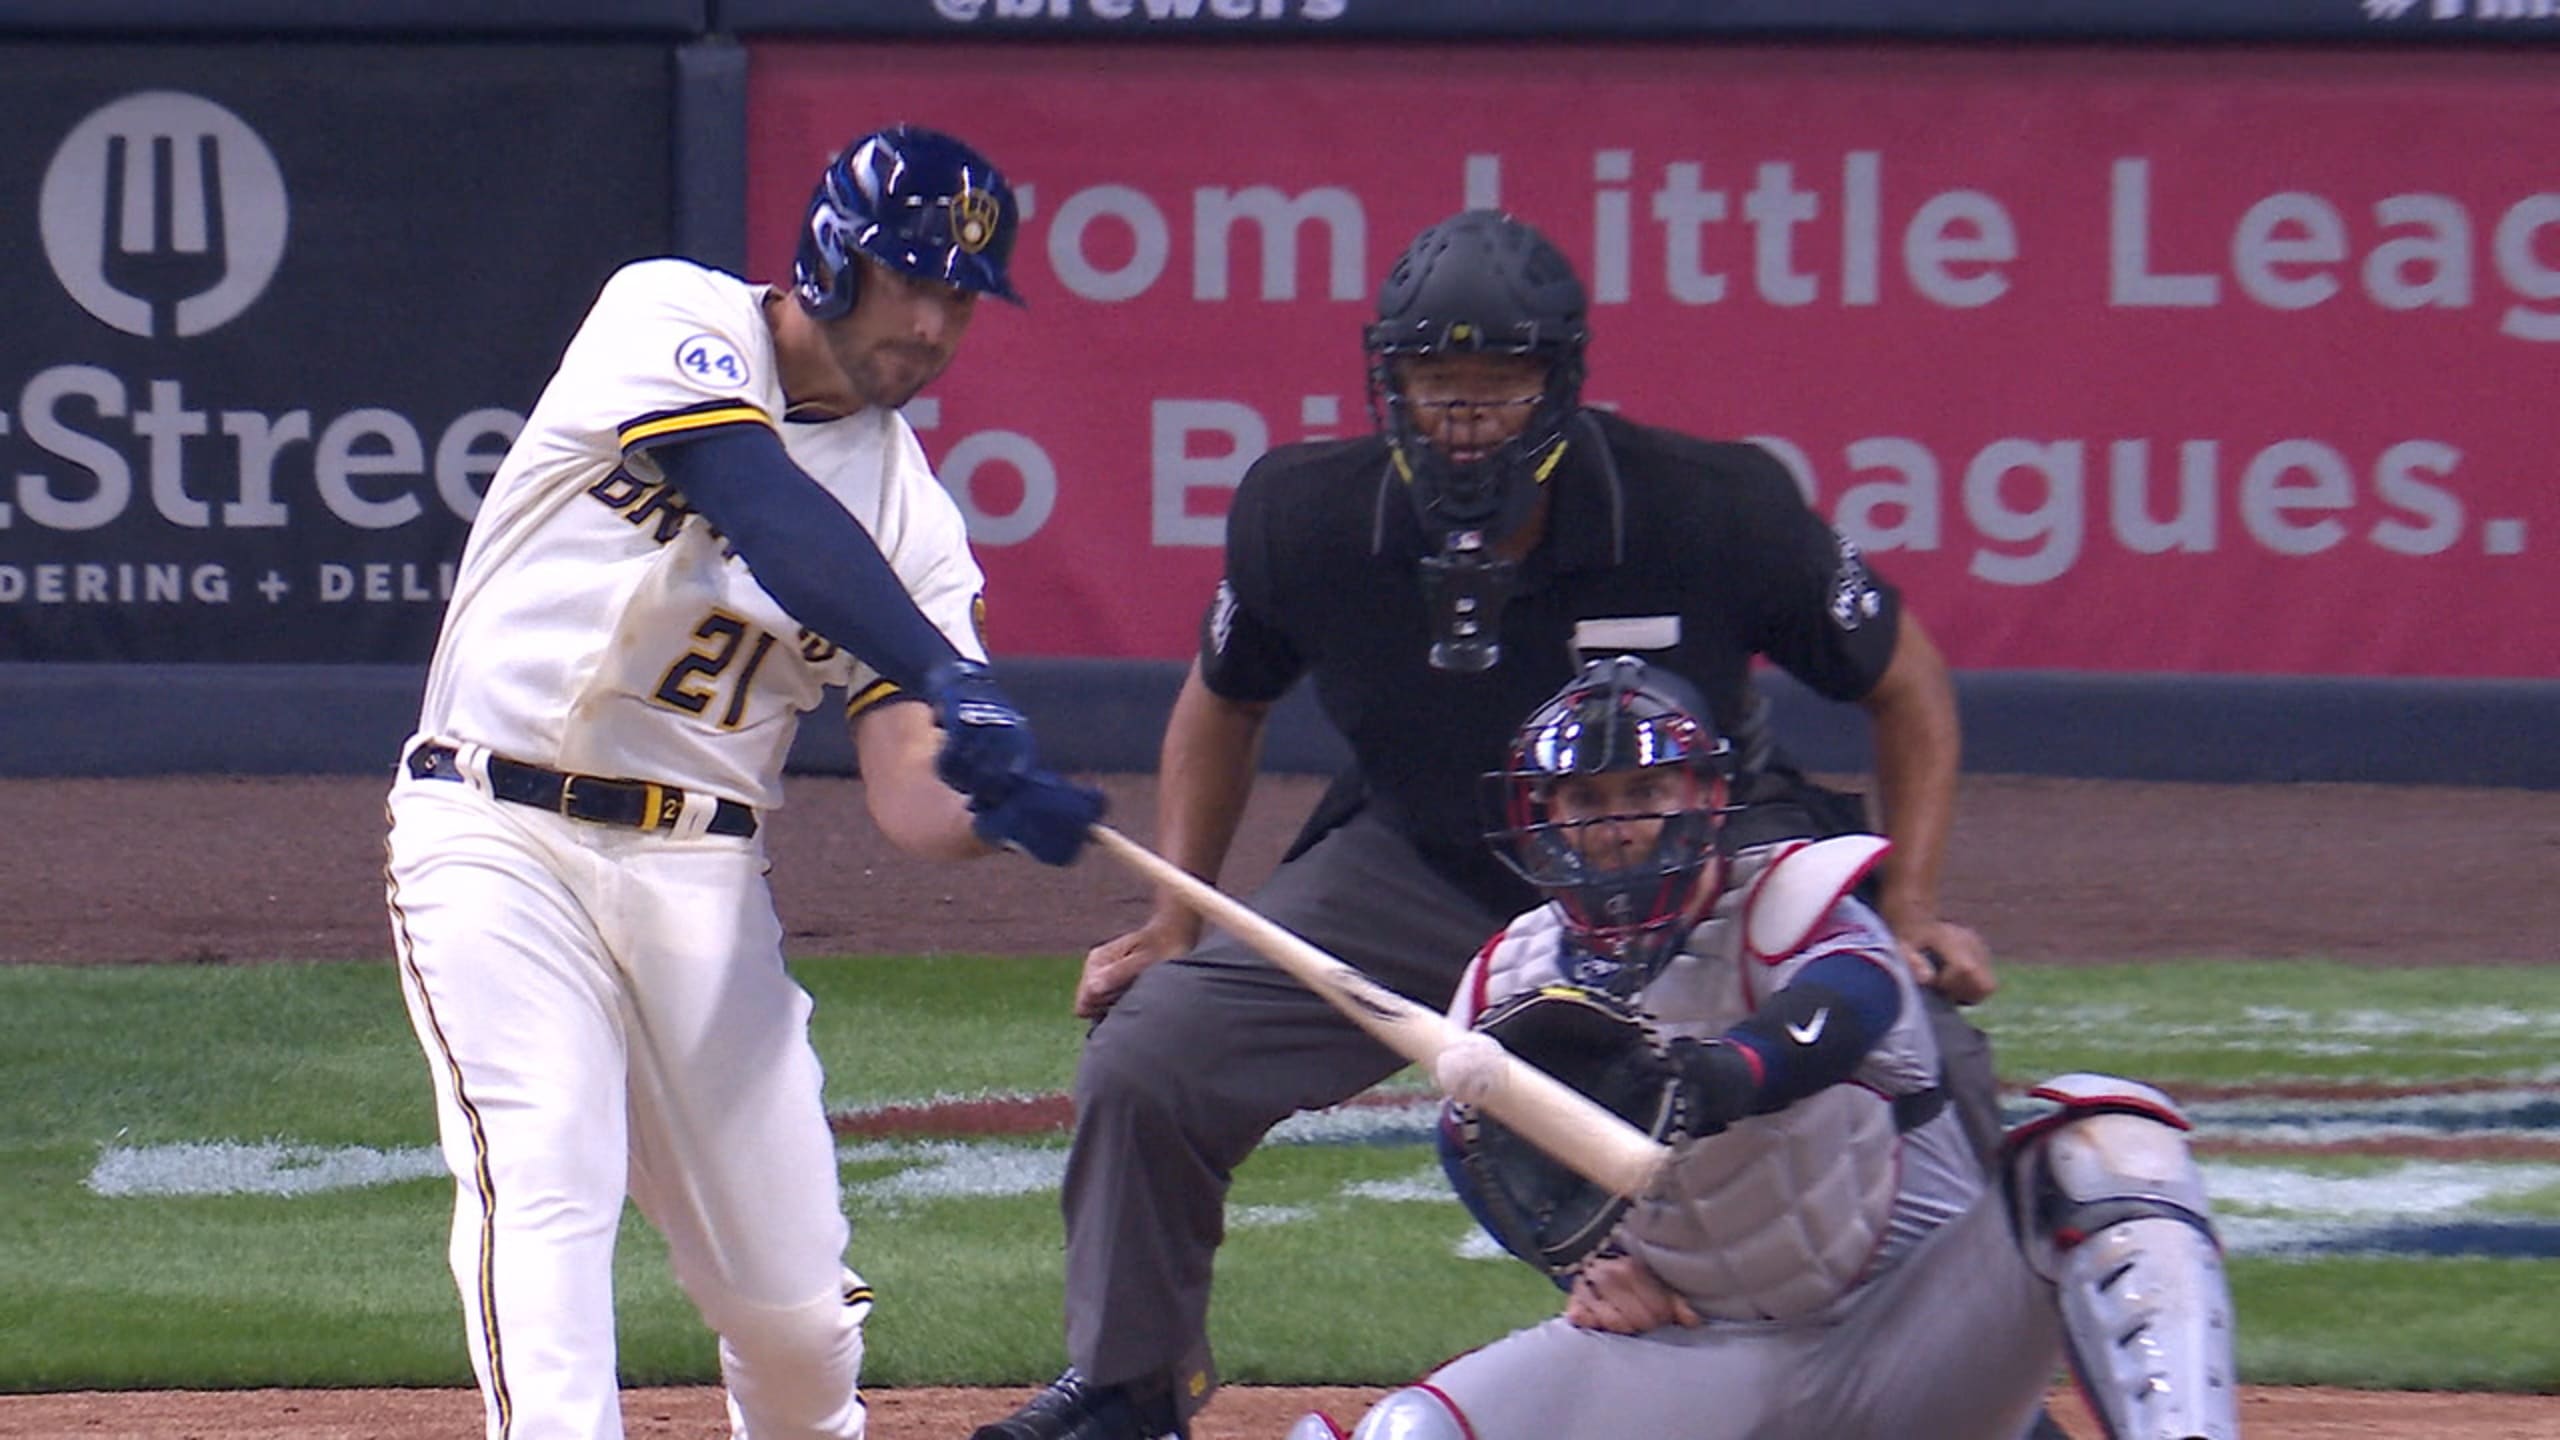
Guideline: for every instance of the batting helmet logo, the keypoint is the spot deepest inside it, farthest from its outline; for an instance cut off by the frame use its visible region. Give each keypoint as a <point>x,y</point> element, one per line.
<point>916,201</point>
<point>974,217</point>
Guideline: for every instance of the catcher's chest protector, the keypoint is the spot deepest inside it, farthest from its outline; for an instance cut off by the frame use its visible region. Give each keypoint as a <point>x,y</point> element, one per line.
<point>1779,1216</point>
<point>1782,1215</point>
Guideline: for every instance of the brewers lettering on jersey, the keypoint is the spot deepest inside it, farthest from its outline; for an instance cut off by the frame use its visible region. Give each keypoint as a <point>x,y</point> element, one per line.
<point>714,513</point>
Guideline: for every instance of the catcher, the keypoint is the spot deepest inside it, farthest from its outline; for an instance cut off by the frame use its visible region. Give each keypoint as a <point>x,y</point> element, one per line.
<point>1824,1258</point>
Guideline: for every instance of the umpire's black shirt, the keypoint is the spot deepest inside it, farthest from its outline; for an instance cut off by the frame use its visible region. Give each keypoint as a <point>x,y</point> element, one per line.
<point>1705,550</point>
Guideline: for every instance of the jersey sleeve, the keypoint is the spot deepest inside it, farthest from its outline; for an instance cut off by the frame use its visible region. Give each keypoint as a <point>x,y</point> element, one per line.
<point>669,353</point>
<point>926,539</point>
<point>1821,612</point>
<point>1244,652</point>
<point>1904,1057</point>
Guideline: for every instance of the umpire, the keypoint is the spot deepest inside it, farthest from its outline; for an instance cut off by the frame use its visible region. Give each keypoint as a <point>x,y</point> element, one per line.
<point>1437,580</point>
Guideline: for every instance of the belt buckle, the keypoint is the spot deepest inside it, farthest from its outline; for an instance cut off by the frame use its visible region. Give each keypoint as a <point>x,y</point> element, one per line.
<point>568,788</point>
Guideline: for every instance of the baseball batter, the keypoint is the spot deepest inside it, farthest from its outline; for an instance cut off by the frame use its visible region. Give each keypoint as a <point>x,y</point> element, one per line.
<point>713,513</point>
<point>1824,1258</point>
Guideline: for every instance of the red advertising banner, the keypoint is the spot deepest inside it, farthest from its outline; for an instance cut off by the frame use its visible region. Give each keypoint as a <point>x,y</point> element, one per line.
<point>2224,361</point>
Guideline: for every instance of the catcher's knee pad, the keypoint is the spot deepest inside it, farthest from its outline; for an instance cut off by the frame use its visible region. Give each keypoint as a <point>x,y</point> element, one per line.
<point>1413,1413</point>
<point>2111,1210</point>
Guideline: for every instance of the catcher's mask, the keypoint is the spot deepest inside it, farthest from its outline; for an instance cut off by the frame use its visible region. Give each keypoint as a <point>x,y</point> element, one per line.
<point>1477,283</point>
<point>1625,751</point>
<point>915,200</point>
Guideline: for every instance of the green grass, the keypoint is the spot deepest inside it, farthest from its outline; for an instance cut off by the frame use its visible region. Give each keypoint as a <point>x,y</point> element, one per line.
<point>2459,1324</point>
<point>1319,1282</point>
<point>2224,1023</point>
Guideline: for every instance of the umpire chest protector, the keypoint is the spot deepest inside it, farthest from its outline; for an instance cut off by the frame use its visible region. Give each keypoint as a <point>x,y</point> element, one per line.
<point>1780,1216</point>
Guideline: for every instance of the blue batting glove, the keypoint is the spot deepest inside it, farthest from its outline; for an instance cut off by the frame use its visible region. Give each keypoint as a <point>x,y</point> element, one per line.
<point>986,742</point>
<point>1043,816</point>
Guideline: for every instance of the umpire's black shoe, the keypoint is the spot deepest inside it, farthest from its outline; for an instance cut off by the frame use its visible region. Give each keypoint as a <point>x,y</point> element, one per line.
<point>1074,1408</point>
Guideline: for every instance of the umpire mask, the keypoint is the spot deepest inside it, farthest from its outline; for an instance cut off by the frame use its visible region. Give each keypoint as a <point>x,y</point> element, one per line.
<point>1477,284</point>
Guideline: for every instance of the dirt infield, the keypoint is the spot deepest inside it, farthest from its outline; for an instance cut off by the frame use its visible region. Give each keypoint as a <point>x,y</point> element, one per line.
<point>210,870</point>
<point>215,871</point>
<point>1238,1414</point>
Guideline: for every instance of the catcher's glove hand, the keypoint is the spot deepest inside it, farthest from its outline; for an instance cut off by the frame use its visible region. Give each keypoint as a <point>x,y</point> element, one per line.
<point>1539,1209</point>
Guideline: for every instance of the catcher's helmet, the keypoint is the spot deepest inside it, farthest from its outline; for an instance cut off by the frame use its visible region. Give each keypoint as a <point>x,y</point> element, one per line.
<point>1628,913</point>
<point>917,201</point>
<point>1479,281</point>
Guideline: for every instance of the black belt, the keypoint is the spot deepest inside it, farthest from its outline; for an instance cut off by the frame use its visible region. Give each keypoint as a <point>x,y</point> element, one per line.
<point>632,804</point>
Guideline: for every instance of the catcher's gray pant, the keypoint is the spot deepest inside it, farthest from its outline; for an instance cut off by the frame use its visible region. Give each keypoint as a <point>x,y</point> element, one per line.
<point>1960,1342</point>
<point>1205,1053</point>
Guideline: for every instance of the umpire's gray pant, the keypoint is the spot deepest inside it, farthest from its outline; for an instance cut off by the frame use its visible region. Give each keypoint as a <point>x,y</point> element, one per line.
<point>1205,1053</point>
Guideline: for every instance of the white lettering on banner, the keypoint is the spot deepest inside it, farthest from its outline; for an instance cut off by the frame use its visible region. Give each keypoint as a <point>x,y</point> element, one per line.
<point>462,467</point>
<point>1775,207</point>
<point>363,464</point>
<point>368,442</point>
<point>1955,248</point>
<point>1179,471</point>
<point>2130,280</point>
<point>1010,449</point>
<point>1150,242</point>
<point>380,583</point>
<point>1609,259</point>
<point>1215,211</point>
<point>95,583</point>
<point>164,423</point>
<point>2295,497</point>
<point>1952,246</point>
<point>967,457</point>
<point>110,479</point>
<point>2288,251</point>
<point>1096,225</point>
<point>2519,233</point>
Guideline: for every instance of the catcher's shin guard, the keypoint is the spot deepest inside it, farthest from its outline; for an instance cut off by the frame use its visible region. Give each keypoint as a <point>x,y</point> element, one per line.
<point>2112,1211</point>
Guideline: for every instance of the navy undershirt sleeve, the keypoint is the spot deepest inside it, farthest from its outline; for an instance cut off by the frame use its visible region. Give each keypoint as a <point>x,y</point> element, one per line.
<point>806,550</point>
<point>1812,1034</point>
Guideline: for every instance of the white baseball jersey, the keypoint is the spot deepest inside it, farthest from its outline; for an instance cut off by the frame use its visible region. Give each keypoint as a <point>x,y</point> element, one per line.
<point>605,1008</point>
<point>597,624</point>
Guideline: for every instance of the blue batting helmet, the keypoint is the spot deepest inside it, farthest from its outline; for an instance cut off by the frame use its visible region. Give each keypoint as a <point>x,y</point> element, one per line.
<point>917,201</point>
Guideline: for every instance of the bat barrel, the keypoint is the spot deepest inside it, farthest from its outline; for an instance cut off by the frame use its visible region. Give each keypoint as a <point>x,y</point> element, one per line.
<point>1552,1115</point>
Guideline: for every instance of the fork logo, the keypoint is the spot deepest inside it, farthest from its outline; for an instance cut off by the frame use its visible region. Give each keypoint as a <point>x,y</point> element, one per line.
<point>163,214</point>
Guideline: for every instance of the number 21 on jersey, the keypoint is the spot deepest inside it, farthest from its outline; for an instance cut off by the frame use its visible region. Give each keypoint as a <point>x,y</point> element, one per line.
<point>701,676</point>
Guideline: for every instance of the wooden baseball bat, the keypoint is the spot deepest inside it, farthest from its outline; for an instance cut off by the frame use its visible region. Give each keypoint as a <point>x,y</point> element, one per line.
<point>1550,1114</point>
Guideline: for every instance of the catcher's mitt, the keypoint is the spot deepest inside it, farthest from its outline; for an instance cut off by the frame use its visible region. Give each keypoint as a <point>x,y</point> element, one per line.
<point>1539,1209</point>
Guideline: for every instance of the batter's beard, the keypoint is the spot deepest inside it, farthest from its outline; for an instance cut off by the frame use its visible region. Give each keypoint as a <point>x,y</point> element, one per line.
<point>891,375</point>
